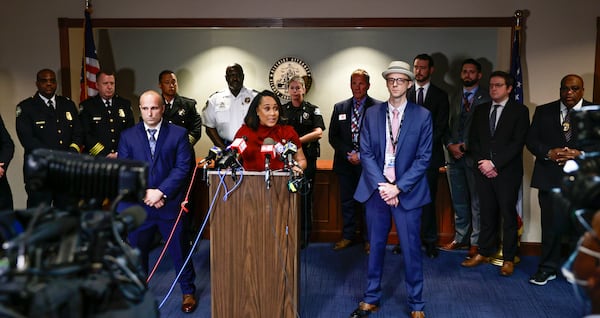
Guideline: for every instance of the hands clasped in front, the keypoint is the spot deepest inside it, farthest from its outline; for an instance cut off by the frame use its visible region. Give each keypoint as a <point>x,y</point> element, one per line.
<point>389,193</point>
<point>562,155</point>
<point>487,168</point>
<point>154,198</point>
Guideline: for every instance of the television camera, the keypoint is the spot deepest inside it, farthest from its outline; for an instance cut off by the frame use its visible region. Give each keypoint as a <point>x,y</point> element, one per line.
<point>73,262</point>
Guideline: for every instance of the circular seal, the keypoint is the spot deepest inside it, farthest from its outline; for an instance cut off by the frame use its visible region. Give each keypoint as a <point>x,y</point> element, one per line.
<point>283,70</point>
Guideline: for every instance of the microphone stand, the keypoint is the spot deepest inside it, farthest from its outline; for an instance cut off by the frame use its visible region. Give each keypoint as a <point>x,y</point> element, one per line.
<point>267,172</point>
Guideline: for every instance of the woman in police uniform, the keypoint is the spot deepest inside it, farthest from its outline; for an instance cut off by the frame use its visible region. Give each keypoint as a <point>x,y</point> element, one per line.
<point>308,122</point>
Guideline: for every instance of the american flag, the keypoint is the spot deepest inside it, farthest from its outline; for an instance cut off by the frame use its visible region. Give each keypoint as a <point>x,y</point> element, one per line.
<point>517,92</point>
<point>90,65</point>
<point>515,67</point>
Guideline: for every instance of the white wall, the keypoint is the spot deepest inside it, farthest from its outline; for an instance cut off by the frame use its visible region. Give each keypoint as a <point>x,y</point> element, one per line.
<point>560,39</point>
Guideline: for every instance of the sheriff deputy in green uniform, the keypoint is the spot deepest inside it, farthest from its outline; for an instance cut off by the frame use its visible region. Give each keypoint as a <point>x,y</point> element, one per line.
<point>308,122</point>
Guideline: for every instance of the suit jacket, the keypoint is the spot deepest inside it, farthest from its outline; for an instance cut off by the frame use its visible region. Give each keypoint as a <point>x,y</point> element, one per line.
<point>169,170</point>
<point>40,126</point>
<point>452,136</point>
<point>505,148</point>
<point>436,101</point>
<point>183,113</point>
<point>102,127</point>
<point>413,155</point>
<point>340,132</point>
<point>546,133</point>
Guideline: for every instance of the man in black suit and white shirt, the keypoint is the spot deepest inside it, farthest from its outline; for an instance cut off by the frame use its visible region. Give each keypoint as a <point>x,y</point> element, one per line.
<point>436,101</point>
<point>344,130</point>
<point>551,139</point>
<point>497,138</point>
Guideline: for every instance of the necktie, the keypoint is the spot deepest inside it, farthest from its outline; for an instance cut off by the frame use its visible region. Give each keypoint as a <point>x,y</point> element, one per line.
<point>493,120</point>
<point>566,124</point>
<point>152,140</point>
<point>50,104</point>
<point>108,104</point>
<point>355,125</point>
<point>390,172</point>
<point>420,96</point>
<point>168,105</point>
<point>466,102</point>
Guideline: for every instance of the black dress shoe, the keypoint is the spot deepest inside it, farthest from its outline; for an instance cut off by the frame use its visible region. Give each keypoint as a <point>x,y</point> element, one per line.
<point>396,250</point>
<point>363,310</point>
<point>431,250</point>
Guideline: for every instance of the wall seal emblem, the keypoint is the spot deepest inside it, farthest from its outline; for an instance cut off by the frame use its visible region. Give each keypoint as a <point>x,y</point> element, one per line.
<point>283,70</point>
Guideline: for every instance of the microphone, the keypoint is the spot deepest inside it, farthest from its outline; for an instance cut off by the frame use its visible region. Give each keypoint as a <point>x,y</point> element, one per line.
<point>268,150</point>
<point>214,153</point>
<point>289,151</point>
<point>45,231</point>
<point>230,158</point>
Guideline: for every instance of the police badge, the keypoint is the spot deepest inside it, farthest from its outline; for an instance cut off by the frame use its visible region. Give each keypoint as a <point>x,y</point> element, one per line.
<point>68,115</point>
<point>121,113</point>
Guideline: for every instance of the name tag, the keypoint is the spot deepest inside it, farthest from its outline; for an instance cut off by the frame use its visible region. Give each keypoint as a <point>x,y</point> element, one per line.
<point>390,160</point>
<point>342,117</point>
<point>96,118</point>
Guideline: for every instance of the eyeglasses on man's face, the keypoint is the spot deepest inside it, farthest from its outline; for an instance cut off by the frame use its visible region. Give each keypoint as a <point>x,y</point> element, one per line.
<point>399,80</point>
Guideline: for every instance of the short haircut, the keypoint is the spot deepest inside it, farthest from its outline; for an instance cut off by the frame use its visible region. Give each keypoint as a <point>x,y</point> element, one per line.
<point>362,73</point>
<point>473,62</point>
<point>425,57</point>
<point>164,73</point>
<point>508,79</point>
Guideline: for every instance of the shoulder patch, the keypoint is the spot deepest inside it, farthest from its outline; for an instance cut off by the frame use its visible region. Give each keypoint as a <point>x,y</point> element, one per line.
<point>318,111</point>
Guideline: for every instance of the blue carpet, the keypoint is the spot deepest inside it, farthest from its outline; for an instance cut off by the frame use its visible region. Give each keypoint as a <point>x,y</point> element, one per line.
<point>332,284</point>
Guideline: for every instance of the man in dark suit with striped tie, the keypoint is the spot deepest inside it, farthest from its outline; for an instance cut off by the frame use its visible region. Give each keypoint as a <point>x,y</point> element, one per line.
<point>344,130</point>
<point>551,139</point>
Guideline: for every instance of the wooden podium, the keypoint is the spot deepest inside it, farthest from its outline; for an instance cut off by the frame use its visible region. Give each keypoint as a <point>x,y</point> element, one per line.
<point>254,249</point>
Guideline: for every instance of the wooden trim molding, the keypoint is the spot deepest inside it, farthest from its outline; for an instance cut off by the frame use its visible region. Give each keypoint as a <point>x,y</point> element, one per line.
<point>64,24</point>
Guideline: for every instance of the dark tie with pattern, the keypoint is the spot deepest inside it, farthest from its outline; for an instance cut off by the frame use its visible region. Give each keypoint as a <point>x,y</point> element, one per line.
<point>567,126</point>
<point>152,140</point>
<point>355,125</point>
<point>50,104</point>
<point>466,103</point>
<point>493,120</point>
<point>420,96</point>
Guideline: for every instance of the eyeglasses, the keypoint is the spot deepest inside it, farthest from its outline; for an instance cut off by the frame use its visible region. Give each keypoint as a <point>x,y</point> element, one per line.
<point>496,85</point>
<point>574,89</point>
<point>398,80</point>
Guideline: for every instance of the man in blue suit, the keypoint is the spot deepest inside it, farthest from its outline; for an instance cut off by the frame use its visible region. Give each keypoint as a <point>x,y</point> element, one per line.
<point>395,147</point>
<point>166,149</point>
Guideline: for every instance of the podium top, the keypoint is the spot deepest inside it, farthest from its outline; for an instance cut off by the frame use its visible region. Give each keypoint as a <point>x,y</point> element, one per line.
<point>250,173</point>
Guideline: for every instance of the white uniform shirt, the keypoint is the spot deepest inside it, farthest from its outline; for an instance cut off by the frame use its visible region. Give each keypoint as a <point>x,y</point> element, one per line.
<point>226,112</point>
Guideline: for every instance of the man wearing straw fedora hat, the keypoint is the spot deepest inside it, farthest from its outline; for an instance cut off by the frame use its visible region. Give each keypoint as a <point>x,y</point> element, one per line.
<point>395,147</point>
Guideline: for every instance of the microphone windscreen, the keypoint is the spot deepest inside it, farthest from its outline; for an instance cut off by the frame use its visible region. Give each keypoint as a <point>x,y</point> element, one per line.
<point>134,216</point>
<point>268,141</point>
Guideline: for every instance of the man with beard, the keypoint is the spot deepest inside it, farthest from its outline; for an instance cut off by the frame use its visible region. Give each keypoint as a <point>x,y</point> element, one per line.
<point>460,163</point>
<point>225,110</point>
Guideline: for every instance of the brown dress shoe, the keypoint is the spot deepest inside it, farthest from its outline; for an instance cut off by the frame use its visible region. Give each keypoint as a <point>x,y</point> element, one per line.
<point>475,261</point>
<point>507,269</point>
<point>340,245</point>
<point>417,314</point>
<point>189,303</point>
<point>454,245</point>
<point>472,251</point>
<point>363,310</point>
<point>367,248</point>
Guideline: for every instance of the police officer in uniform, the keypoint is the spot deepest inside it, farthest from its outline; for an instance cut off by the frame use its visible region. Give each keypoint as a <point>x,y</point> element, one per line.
<point>308,122</point>
<point>225,110</point>
<point>179,110</point>
<point>49,121</point>
<point>103,118</point>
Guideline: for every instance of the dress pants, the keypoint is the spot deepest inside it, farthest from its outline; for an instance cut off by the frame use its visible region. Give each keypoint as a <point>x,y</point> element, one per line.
<point>179,248</point>
<point>352,210</point>
<point>465,201</point>
<point>498,200</point>
<point>408,222</point>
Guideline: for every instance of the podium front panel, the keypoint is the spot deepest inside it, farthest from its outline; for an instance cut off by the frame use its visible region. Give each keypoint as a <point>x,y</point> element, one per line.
<point>254,247</point>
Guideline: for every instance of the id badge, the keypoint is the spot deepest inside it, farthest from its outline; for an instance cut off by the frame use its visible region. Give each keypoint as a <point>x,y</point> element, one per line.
<point>390,160</point>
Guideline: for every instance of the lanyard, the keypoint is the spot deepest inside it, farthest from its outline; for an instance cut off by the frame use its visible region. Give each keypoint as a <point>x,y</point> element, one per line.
<point>394,142</point>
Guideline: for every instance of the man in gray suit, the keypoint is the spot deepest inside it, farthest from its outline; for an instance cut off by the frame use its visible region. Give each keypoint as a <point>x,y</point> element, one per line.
<point>460,163</point>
